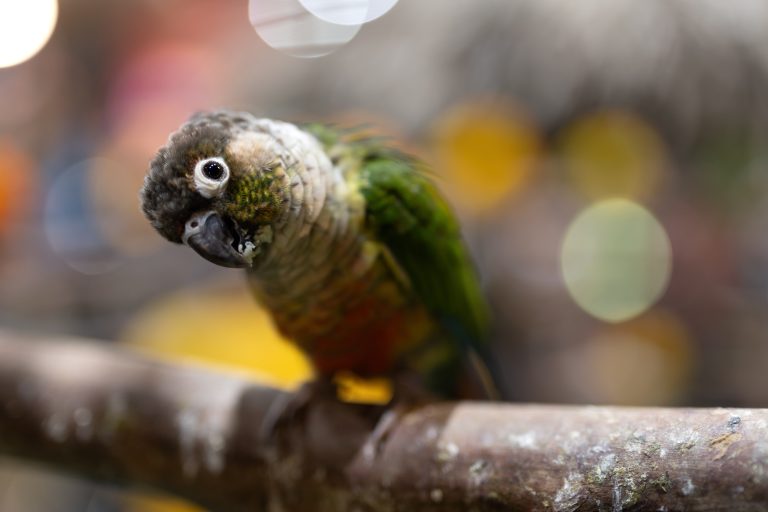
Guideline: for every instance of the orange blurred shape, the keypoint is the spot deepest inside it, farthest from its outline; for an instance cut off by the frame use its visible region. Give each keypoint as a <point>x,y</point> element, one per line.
<point>223,326</point>
<point>613,153</point>
<point>486,150</point>
<point>16,182</point>
<point>645,361</point>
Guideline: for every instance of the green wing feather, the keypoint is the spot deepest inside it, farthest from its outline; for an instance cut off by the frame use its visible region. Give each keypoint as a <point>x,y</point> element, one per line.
<point>405,213</point>
<point>408,216</point>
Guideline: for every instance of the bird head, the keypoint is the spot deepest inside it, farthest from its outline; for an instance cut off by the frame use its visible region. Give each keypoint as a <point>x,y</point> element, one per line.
<point>218,186</point>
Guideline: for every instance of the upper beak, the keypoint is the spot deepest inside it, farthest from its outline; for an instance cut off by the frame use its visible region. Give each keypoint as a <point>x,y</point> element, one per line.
<point>210,237</point>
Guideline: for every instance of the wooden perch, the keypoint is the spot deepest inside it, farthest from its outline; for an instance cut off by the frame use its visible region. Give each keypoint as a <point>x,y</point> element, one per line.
<point>115,416</point>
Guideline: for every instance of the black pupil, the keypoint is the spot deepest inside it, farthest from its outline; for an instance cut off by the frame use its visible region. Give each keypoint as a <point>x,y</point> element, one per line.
<point>213,170</point>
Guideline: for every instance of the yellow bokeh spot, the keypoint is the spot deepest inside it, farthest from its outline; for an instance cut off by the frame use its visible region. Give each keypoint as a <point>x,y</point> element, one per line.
<point>227,328</point>
<point>224,327</point>
<point>486,152</point>
<point>646,361</point>
<point>616,259</point>
<point>613,153</point>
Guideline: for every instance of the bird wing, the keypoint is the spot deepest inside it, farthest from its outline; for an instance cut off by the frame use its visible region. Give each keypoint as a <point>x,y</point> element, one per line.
<point>407,215</point>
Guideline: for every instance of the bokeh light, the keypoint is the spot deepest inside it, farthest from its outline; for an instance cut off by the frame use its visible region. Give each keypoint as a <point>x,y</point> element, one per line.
<point>287,26</point>
<point>612,153</point>
<point>25,27</point>
<point>348,12</point>
<point>73,226</point>
<point>183,325</point>
<point>486,150</point>
<point>646,361</point>
<point>616,259</point>
<point>17,177</point>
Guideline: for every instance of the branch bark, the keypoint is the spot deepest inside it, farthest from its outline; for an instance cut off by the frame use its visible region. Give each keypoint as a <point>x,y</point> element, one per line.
<point>116,416</point>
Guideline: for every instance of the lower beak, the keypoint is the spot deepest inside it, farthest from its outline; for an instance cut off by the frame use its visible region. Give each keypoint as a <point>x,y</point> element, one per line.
<point>210,237</point>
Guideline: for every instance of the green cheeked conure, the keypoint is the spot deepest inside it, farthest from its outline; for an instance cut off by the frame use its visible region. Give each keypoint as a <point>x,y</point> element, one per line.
<point>344,240</point>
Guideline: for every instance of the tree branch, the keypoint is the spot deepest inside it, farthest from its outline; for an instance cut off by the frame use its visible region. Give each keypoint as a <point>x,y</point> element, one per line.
<point>116,416</point>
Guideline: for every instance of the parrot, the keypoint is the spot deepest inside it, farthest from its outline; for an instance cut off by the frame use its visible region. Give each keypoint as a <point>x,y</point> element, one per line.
<point>344,240</point>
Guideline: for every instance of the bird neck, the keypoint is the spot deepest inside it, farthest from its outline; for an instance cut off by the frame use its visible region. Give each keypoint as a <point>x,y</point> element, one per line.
<point>319,231</point>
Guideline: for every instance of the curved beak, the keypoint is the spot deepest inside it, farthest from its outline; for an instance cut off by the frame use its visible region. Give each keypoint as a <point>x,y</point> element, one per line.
<point>213,239</point>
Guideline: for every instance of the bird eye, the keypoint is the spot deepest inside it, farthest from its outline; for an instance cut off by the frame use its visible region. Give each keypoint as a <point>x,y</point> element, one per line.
<point>211,176</point>
<point>213,170</point>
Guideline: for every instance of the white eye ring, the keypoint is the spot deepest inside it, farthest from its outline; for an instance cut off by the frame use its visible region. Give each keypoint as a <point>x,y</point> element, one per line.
<point>208,185</point>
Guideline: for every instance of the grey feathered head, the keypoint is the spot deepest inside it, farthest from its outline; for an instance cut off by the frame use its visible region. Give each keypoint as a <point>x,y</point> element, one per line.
<point>213,187</point>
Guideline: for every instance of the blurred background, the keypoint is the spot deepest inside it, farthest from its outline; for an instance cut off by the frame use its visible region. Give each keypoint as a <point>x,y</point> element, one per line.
<point>607,159</point>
